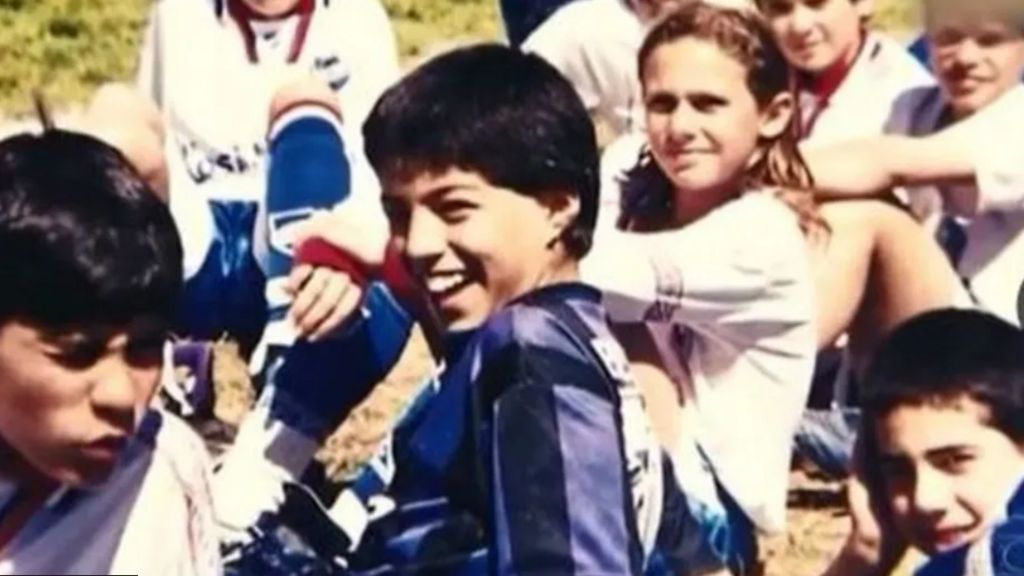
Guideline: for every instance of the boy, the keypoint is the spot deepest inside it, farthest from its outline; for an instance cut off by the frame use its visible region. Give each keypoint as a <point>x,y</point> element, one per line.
<point>943,445</point>
<point>848,76</point>
<point>89,474</point>
<point>531,451</point>
<point>978,56</point>
<point>213,67</point>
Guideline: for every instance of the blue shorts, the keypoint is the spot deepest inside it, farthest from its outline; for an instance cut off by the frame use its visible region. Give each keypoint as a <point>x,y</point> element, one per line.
<point>226,294</point>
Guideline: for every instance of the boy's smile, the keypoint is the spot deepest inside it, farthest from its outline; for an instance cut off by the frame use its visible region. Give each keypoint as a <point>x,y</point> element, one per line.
<point>975,62</point>
<point>476,246</point>
<point>816,35</point>
<point>947,473</point>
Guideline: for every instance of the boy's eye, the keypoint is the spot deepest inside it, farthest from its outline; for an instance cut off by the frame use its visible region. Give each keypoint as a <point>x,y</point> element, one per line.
<point>897,472</point>
<point>775,8</point>
<point>991,38</point>
<point>707,102</point>
<point>77,355</point>
<point>455,210</point>
<point>661,103</point>
<point>815,4</point>
<point>947,37</point>
<point>145,351</point>
<point>953,462</point>
<point>398,216</point>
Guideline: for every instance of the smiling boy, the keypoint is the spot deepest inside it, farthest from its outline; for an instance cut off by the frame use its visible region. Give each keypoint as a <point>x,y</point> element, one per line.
<point>943,439</point>
<point>530,451</point>
<point>848,76</point>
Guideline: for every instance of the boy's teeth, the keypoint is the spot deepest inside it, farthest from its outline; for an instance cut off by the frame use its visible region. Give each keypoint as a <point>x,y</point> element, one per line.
<point>443,283</point>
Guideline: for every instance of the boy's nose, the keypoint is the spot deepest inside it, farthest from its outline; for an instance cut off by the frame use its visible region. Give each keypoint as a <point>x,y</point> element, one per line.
<point>802,20</point>
<point>931,493</point>
<point>117,394</point>
<point>426,238</point>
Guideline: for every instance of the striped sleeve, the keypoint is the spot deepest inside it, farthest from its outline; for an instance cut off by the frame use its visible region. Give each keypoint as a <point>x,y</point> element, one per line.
<point>560,499</point>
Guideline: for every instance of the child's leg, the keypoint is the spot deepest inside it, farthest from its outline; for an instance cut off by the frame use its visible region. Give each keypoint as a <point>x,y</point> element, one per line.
<point>308,172</point>
<point>876,269</point>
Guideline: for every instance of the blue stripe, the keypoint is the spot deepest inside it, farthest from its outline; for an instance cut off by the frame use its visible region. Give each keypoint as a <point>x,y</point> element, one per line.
<point>594,482</point>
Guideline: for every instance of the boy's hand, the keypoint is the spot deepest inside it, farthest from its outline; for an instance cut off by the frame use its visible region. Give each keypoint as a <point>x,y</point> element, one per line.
<point>323,299</point>
<point>874,546</point>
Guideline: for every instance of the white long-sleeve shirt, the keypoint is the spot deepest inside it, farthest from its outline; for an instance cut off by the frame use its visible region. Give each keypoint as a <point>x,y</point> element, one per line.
<point>729,302</point>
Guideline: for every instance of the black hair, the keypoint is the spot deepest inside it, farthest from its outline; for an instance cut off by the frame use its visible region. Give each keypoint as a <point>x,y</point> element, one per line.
<point>942,356</point>
<point>508,116</point>
<point>83,239</point>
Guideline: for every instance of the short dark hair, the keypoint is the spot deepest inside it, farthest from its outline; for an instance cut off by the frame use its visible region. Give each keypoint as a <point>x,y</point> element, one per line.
<point>943,356</point>
<point>82,238</point>
<point>489,109</point>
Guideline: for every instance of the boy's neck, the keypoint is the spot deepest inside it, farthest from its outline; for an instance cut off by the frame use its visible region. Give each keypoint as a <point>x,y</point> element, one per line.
<point>825,83</point>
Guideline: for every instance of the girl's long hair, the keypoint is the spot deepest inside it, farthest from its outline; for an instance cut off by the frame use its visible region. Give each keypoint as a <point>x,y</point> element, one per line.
<point>745,37</point>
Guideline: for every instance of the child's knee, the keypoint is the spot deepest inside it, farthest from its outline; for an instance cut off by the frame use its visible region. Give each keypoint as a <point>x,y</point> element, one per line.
<point>305,90</point>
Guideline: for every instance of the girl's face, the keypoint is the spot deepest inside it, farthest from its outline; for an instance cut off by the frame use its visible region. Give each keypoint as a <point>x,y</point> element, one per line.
<point>704,125</point>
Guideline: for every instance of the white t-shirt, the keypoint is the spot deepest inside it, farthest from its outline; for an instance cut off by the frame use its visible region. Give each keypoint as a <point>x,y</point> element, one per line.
<point>862,103</point>
<point>154,515</point>
<point>194,63</point>
<point>594,43</point>
<point>992,215</point>
<point>729,302</point>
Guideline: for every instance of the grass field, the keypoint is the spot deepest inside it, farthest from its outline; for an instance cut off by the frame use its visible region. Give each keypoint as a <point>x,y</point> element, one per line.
<point>67,47</point>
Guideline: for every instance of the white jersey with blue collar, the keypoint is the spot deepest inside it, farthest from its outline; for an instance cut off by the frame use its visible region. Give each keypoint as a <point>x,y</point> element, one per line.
<point>154,515</point>
<point>862,103</point>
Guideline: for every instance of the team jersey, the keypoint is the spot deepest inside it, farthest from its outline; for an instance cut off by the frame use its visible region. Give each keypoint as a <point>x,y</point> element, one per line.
<point>861,103</point>
<point>729,303</point>
<point>989,255</point>
<point>152,516</point>
<point>213,67</point>
<point>997,553</point>
<point>594,43</point>
<point>530,452</point>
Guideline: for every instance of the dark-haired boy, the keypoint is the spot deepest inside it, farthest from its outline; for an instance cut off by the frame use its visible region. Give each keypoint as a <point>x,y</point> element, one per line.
<point>944,445</point>
<point>92,481</point>
<point>531,451</point>
<point>848,77</point>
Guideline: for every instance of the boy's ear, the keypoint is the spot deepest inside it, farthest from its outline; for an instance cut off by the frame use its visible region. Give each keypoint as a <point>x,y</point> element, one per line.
<point>563,209</point>
<point>777,116</point>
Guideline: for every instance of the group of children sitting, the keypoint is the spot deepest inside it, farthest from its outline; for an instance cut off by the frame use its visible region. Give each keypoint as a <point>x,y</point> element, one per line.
<point>624,344</point>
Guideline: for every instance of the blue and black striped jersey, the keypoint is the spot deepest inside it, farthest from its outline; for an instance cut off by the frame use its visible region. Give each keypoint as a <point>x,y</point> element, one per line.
<point>531,453</point>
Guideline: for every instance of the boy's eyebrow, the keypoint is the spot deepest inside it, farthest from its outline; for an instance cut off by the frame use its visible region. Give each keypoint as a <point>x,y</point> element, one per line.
<point>948,450</point>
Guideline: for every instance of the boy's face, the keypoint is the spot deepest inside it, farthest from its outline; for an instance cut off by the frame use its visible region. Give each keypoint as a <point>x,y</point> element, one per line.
<point>71,399</point>
<point>475,246</point>
<point>947,473</point>
<point>816,35</point>
<point>976,61</point>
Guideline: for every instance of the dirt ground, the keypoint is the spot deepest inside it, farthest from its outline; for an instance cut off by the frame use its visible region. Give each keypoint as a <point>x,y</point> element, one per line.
<point>817,523</point>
